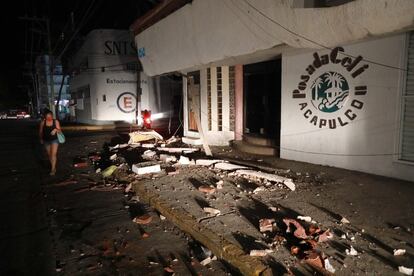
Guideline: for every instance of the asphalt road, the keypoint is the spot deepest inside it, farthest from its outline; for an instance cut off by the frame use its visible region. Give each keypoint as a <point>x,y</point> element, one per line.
<point>24,239</point>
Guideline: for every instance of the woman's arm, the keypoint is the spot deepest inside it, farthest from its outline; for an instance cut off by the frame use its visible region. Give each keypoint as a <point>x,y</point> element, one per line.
<point>41,131</point>
<point>57,124</point>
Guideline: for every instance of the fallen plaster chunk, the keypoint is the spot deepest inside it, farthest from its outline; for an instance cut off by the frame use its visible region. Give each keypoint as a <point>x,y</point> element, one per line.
<point>351,251</point>
<point>148,146</point>
<point>260,253</point>
<point>211,211</point>
<point>345,221</point>
<point>141,136</point>
<point>399,252</point>
<point>228,166</point>
<point>405,270</point>
<point>207,162</point>
<point>178,150</point>
<point>206,261</point>
<point>184,160</point>
<point>168,158</point>
<point>258,189</point>
<point>113,157</point>
<point>305,218</point>
<point>328,266</point>
<point>219,184</point>
<point>162,217</point>
<point>148,154</point>
<point>267,176</point>
<point>266,225</point>
<point>143,168</point>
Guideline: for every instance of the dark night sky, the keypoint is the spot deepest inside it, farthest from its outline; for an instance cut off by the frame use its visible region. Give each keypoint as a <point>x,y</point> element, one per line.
<point>17,36</point>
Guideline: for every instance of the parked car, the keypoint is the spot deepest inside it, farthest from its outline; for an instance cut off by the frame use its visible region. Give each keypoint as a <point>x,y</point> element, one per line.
<point>3,115</point>
<point>22,115</point>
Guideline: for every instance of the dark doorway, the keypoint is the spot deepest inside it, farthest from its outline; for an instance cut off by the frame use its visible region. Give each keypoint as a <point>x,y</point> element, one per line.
<point>262,99</point>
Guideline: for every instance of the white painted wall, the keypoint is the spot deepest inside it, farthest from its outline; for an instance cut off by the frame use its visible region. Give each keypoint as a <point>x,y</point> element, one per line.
<point>208,31</point>
<point>373,132</point>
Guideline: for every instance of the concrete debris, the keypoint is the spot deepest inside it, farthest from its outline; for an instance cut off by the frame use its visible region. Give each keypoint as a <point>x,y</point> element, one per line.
<point>146,167</point>
<point>351,251</point>
<point>305,218</point>
<point>405,270</point>
<point>273,209</point>
<point>128,188</point>
<point>328,266</point>
<point>267,176</point>
<point>399,252</point>
<point>219,184</point>
<point>142,136</point>
<point>206,189</point>
<point>228,166</point>
<point>178,150</point>
<point>299,232</point>
<point>162,217</point>
<point>206,261</point>
<point>259,189</point>
<point>113,157</point>
<point>148,146</point>
<point>149,155</point>
<point>260,253</point>
<point>144,219</point>
<point>211,211</point>
<point>98,170</point>
<point>171,140</point>
<point>266,225</point>
<point>168,158</point>
<point>184,160</point>
<point>345,221</point>
<point>109,171</point>
<point>207,162</point>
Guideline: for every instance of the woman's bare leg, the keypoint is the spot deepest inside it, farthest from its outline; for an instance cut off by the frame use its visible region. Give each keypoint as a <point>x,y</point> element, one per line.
<point>53,156</point>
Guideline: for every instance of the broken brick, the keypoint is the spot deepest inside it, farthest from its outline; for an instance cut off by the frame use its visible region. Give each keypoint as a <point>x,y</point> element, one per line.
<point>299,232</point>
<point>266,225</point>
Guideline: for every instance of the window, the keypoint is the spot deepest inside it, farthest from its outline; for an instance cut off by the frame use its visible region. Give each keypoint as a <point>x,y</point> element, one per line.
<point>209,97</point>
<point>219,100</point>
<point>104,98</point>
<point>407,128</point>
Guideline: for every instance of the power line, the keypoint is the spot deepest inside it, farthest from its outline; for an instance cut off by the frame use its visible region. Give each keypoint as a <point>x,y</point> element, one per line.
<point>317,43</point>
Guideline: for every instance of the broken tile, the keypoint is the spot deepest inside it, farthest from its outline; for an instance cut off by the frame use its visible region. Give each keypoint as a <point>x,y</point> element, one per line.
<point>266,225</point>
<point>206,189</point>
<point>144,219</point>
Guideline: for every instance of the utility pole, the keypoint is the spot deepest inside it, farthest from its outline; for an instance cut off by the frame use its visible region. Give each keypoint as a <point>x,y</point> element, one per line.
<point>46,23</point>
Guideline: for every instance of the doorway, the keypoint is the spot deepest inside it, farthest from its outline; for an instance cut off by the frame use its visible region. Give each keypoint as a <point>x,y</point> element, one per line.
<point>193,93</point>
<point>262,99</point>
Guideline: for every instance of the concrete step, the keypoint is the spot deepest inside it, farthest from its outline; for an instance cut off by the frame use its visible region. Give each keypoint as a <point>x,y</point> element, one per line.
<point>259,140</point>
<point>191,141</point>
<point>254,149</point>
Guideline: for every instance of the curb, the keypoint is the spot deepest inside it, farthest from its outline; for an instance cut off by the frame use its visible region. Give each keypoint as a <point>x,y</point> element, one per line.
<point>222,248</point>
<point>88,128</point>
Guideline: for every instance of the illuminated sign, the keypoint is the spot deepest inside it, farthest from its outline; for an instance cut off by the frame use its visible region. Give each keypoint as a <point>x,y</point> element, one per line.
<point>332,99</point>
<point>126,102</point>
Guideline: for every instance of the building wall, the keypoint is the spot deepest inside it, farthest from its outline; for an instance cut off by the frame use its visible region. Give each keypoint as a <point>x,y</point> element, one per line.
<point>370,141</point>
<point>206,32</point>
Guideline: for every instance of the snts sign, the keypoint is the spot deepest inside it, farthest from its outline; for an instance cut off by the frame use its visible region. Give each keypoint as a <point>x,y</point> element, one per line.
<point>328,98</point>
<point>126,102</point>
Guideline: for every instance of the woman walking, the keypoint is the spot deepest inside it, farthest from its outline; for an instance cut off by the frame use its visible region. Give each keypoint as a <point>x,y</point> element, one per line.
<point>48,130</point>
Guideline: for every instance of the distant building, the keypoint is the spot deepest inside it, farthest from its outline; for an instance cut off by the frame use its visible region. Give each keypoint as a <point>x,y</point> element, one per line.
<point>104,81</point>
<point>44,93</point>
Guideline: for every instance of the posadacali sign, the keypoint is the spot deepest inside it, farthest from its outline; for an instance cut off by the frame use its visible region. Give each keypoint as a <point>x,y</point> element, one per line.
<point>327,94</point>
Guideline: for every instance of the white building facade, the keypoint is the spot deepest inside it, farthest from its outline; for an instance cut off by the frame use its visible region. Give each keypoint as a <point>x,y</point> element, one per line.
<point>331,86</point>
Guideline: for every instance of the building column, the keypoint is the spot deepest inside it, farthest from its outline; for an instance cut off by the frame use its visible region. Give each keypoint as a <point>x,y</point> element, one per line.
<point>238,87</point>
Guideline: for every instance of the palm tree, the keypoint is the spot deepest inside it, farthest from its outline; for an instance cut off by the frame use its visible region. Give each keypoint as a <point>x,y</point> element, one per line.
<point>334,79</point>
<point>316,85</point>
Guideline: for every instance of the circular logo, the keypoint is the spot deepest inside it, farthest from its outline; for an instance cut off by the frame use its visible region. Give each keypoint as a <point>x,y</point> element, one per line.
<point>329,92</point>
<point>126,102</point>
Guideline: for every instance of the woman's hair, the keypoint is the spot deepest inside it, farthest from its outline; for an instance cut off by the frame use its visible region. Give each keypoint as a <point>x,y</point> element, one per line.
<point>46,112</point>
